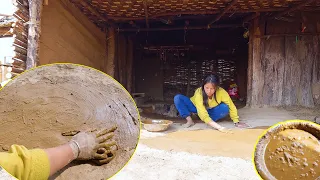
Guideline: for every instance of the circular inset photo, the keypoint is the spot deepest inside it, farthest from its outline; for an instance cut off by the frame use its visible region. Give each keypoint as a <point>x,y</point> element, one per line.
<point>66,121</point>
<point>289,150</point>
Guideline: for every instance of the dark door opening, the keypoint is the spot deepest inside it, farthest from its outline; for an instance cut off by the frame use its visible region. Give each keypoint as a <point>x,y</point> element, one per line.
<point>175,62</point>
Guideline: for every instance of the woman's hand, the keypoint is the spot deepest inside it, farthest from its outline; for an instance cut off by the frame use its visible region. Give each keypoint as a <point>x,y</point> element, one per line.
<point>241,125</point>
<point>94,145</point>
<point>224,130</point>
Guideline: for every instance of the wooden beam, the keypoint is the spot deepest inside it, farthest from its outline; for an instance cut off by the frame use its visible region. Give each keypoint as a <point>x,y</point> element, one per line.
<point>91,9</point>
<point>180,28</point>
<point>223,12</point>
<point>297,7</point>
<point>146,12</point>
<point>249,18</point>
<point>34,31</point>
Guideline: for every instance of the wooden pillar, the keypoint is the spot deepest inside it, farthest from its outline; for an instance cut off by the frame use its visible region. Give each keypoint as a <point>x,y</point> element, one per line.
<point>121,59</point>
<point>255,69</point>
<point>129,65</point>
<point>111,52</point>
<point>249,71</point>
<point>34,31</point>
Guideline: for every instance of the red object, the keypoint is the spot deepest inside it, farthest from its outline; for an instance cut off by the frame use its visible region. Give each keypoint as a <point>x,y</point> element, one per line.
<point>233,92</point>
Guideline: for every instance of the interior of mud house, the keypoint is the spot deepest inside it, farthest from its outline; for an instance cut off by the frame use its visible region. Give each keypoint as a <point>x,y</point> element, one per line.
<point>156,49</point>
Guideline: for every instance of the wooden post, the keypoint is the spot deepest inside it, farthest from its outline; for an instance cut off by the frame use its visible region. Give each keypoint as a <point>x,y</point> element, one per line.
<point>129,65</point>
<point>111,52</point>
<point>35,12</point>
<point>256,69</point>
<point>250,60</point>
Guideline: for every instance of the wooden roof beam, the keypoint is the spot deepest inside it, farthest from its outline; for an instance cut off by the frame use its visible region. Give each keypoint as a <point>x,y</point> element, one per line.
<point>93,10</point>
<point>180,28</point>
<point>223,12</point>
<point>297,7</point>
<point>146,12</point>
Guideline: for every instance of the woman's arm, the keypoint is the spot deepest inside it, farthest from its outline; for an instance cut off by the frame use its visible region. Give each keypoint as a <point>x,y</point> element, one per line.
<point>225,98</point>
<point>25,164</point>
<point>59,157</point>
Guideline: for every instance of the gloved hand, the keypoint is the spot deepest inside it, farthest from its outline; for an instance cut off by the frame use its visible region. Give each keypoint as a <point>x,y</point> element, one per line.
<point>94,145</point>
<point>224,130</point>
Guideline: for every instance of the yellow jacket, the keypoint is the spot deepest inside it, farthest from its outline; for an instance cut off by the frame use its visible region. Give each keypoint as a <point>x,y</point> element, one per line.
<point>221,96</point>
<point>25,164</point>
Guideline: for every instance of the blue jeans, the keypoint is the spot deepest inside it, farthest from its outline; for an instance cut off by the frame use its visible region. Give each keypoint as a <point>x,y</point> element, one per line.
<point>185,107</point>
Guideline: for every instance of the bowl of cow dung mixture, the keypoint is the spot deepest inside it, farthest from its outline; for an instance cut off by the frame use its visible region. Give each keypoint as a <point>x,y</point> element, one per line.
<point>155,125</point>
<point>289,150</point>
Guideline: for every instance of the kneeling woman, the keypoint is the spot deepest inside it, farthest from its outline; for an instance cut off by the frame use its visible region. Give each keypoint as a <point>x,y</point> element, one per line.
<point>211,102</point>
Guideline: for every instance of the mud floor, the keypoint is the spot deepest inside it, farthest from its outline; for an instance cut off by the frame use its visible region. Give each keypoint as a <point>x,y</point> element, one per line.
<point>40,104</point>
<point>200,152</point>
<point>208,142</point>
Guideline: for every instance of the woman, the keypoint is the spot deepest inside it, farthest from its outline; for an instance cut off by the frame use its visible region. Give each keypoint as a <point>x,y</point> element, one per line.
<point>39,164</point>
<point>211,102</point>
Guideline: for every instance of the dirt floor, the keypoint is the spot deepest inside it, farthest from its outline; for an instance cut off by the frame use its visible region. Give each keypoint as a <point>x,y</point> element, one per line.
<point>37,106</point>
<point>201,152</point>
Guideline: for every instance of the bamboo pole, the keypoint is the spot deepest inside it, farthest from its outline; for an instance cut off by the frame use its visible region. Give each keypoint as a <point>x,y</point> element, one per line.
<point>35,12</point>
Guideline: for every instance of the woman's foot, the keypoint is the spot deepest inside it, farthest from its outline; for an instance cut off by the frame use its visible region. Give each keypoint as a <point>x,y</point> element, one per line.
<point>189,122</point>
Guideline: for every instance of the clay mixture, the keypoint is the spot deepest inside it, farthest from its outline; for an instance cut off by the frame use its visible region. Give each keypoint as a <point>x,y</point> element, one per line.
<point>208,142</point>
<point>293,154</point>
<point>39,105</point>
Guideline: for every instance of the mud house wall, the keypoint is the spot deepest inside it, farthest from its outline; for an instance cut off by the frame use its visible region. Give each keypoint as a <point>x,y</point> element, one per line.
<point>68,36</point>
<point>284,69</point>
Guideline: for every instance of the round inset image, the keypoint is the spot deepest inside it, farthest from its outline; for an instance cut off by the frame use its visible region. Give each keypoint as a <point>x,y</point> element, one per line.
<point>289,150</point>
<point>60,113</point>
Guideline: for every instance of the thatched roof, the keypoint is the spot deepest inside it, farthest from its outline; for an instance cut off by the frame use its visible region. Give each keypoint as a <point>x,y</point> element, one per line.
<point>101,11</point>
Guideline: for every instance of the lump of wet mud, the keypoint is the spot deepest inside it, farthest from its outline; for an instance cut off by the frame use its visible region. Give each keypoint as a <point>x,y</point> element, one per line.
<point>289,153</point>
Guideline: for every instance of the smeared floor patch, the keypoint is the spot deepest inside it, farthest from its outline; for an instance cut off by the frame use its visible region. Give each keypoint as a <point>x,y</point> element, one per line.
<point>209,142</point>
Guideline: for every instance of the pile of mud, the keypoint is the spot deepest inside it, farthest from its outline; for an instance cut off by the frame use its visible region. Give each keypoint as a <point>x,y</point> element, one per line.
<point>37,106</point>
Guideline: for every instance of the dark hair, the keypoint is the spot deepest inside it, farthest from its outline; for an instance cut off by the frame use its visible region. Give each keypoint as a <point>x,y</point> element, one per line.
<point>214,79</point>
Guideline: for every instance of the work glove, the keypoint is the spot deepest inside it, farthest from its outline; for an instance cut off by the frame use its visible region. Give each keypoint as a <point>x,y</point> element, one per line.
<point>225,130</point>
<point>96,146</point>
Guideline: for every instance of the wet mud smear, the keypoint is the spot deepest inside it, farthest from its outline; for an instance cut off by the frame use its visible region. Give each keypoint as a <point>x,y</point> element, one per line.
<point>208,142</point>
<point>39,106</point>
<point>293,154</point>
